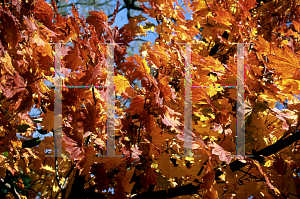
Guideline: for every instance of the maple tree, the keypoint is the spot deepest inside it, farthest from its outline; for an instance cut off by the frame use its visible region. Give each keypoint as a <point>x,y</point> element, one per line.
<point>149,131</point>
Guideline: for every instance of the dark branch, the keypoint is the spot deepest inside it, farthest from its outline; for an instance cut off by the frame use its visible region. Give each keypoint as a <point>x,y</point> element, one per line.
<point>236,165</point>
<point>269,150</point>
<point>84,4</point>
<point>188,189</point>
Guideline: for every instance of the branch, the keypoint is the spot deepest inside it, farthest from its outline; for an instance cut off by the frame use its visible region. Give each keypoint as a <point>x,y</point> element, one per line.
<point>78,189</point>
<point>68,175</point>
<point>236,165</point>
<point>64,186</point>
<point>117,11</point>
<point>269,150</point>
<point>56,173</point>
<point>84,4</point>
<point>138,39</point>
<point>188,189</point>
<point>10,189</point>
<point>56,165</point>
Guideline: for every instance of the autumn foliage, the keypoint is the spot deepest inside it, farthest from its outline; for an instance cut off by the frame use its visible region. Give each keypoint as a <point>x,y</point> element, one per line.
<point>149,129</point>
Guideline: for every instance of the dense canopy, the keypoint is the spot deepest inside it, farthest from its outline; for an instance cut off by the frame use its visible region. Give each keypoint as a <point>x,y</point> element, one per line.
<point>150,100</point>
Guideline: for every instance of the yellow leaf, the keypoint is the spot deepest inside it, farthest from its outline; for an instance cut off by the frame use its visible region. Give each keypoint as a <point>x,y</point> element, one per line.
<point>268,163</point>
<point>284,61</point>
<point>198,5</point>
<point>183,27</point>
<point>43,87</point>
<point>7,64</point>
<point>121,84</point>
<point>55,187</point>
<point>48,168</point>
<point>145,68</point>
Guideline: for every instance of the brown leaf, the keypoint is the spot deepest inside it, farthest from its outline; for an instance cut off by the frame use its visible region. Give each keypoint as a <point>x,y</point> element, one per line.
<point>11,29</point>
<point>150,178</point>
<point>280,165</point>
<point>211,194</point>
<point>48,121</point>
<point>167,168</point>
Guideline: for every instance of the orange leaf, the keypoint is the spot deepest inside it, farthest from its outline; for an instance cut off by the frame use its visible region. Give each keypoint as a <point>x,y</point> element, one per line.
<point>48,121</point>
<point>137,105</point>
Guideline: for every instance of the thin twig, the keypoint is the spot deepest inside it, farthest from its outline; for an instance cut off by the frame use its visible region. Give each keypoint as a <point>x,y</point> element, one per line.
<point>95,101</point>
<point>84,4</point>
<point>56,165</point>
<point>10,188</point>
<point>109,16</point>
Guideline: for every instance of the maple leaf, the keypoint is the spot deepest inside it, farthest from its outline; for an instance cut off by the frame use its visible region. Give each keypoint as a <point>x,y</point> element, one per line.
<point>11,30</point>
<point>137,105</point>
<point>167,168</point>
<point>282,115</point>
<point>99,171</point>
<point>219,151</point>
<point>136,152</point>
<point>159,139</point>
<point>208,179</point>
<point>87,161</point>
<point>111,162</point>
<point>247,190</point>
<point>14,84</point>
<point>31,24</point>
<point>142,67</point>
<point>97,19</point>
<point>126,182</point>
<point>7,64</point>
<point>271,74</point>
<point>150,178</point>
<point>48,121</point>
<point>72,59</point>
<point>211,194</point>
<point>74,147</point>
<point>265,175</point>
<point>121,84</point>
<point>170,121</point>
<point>285,61</point>
<point>224,17</point>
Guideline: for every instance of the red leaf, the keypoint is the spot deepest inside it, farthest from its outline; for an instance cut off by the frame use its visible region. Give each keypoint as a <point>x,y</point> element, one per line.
<point>73,147</point>
<point>11,30</point>
<point>73,59</point>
